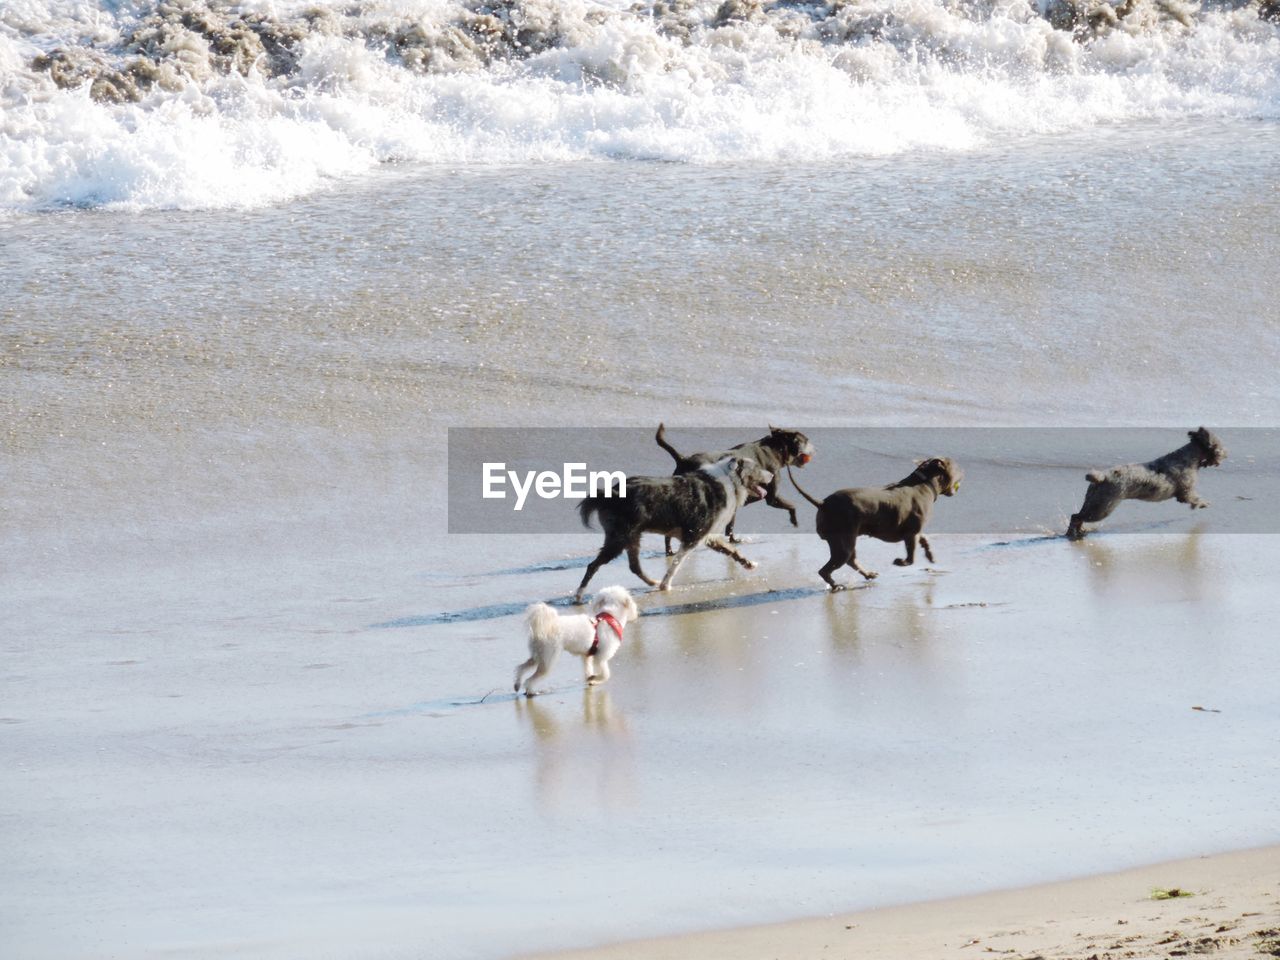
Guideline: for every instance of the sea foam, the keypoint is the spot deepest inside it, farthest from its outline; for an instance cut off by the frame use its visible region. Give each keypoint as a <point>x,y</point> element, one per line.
<point>201,104</point>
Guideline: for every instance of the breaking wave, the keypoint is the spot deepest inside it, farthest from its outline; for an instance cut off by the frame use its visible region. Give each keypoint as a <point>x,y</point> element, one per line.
<point>142,104</point>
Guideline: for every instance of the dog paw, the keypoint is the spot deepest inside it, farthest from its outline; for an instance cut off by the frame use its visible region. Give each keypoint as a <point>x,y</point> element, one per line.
<point>1200,506</point>
<point>750,564</point>
<point>837,587</point>
<point>871,574</point>
<point>901,562</point>
<point>664,587</point>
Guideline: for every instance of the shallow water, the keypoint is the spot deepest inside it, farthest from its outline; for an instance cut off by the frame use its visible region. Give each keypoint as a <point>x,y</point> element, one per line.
<point>255,698</point>
<point>326,768</point>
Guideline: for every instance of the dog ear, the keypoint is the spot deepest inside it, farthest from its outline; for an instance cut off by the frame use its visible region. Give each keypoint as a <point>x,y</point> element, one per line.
<point>773,429</point>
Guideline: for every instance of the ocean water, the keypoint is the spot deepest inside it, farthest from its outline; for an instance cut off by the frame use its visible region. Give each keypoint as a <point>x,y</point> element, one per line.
<point>190,104</point>
<point>256,259</point>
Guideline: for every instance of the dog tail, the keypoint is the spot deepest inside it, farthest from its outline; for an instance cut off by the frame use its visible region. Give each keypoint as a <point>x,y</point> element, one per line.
<point>816,503</point>
<point>661,438</point>
<point>542,622</point>
<point>586,508</point>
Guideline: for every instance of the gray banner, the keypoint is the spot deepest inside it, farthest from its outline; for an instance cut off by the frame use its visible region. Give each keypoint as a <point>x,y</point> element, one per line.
<point>1016,480</point>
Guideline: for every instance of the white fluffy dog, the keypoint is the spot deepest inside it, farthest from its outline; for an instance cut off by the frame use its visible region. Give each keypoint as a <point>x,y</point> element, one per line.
<point>595,637</point>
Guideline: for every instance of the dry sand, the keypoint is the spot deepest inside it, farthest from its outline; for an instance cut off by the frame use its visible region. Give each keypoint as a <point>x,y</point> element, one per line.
<point>1228,907</point>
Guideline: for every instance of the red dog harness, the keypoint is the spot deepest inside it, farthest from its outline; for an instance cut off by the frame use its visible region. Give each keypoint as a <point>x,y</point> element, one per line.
<point>612,621</point>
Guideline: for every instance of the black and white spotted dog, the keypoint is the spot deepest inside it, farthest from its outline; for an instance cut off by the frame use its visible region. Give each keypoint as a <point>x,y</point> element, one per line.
<point>1172,476</point>
<point>781,448</point>
<point>694,507</point>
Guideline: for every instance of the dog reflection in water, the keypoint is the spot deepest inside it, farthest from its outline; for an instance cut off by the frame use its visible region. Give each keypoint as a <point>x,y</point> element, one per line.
<point>579,758</point>
<point>595,636</point>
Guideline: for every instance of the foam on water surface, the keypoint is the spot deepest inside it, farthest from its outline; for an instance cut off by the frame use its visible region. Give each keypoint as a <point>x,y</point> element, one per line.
<point>195,104</point>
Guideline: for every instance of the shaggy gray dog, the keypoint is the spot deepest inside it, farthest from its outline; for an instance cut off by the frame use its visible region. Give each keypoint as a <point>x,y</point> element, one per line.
<point>1171,476</point>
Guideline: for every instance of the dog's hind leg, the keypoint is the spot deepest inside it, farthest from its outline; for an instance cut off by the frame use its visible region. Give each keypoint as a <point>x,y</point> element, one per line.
<point>719,546</point>
<point>542,671</point>
<point>609,551</point>
<point>633,559</point>
<point>924,545</point>
<point>527,665</point>
<point>853,561</point>
<point>839,553</point>
<point>1100,501</point>
<point>666,546</point>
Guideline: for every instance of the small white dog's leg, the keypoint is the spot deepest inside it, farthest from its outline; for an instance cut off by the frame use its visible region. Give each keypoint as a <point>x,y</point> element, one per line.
<point>589,668</point>
<point>602,672</point>
<point>527,665</point>
<point>542,671</point>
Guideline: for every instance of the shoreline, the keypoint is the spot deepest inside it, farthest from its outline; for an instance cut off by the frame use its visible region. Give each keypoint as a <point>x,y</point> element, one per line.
<point>1232,911</point>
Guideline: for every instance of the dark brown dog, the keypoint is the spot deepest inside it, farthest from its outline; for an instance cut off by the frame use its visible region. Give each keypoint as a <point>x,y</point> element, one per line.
<point>896,513</point>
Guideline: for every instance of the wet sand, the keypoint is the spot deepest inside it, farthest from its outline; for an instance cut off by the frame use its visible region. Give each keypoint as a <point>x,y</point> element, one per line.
<point>333,741</point>
<point>1226,905</point>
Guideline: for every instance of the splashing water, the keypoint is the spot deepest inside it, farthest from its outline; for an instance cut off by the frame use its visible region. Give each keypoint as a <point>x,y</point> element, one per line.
<point>203,104</point>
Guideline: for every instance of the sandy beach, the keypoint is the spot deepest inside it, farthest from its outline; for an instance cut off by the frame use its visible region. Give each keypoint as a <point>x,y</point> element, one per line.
<point>1225,905</point>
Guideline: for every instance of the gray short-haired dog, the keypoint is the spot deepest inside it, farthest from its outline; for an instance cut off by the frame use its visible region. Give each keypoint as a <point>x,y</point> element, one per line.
<point>896,514</point>
<point>1172,476</point>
